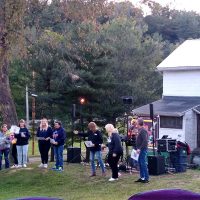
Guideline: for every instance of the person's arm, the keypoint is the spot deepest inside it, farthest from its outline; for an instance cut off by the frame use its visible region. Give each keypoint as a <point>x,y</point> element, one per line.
<point>17,135</point>
<point>49,133</point>
<point>38,132</point>
<point>116,144</point>
<point>60,139</point>
<point>144,136</point>
<point>7,140</point>
<point>27,134</point>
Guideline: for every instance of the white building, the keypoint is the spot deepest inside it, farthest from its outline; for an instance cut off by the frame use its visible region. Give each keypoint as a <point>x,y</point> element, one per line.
<point>179,109</point>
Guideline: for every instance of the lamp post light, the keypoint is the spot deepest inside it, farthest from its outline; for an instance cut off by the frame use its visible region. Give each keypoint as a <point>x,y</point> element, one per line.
<point>33,122</point>
<point>82,101</point>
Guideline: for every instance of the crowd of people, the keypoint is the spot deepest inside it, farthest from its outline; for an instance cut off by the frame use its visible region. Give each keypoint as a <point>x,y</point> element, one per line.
<point>17,143</point>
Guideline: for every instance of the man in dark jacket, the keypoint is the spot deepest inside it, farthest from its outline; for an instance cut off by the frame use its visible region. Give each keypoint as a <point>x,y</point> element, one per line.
<point>142,147</point>
<point>59,137</point>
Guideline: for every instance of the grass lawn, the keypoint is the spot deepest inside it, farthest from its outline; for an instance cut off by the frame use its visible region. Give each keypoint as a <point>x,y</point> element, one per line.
<point>74,183</point>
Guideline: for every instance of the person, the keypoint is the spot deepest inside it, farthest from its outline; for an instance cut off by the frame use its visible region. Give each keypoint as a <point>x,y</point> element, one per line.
<point>58,141</point>
<point>44,133</point>
<point>14,150</point>
<point>22,144</point>
<point>95,136</point>
<point>115,150</point>
<point>142,147</point>
<point>4,146</point>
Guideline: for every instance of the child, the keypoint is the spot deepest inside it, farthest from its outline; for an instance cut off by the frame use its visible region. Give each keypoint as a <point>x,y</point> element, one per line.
<point>4,146</point>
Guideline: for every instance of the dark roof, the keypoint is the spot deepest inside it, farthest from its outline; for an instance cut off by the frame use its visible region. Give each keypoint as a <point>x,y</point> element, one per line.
<point>170,106</point>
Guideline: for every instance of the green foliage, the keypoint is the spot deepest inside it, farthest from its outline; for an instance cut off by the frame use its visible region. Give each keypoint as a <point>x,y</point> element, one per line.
<point>102,60</point>
<point>173,25</point>
<point>19,76</point>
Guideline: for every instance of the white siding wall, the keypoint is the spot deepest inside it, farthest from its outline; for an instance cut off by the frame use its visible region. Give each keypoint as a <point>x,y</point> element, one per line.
<point>181,83</point>
<point>187,134</point>
<point>172,133</point>
<point>191,128</point>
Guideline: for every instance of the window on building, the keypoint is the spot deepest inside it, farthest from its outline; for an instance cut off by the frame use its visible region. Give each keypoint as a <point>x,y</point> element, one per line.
<point>171,122</point>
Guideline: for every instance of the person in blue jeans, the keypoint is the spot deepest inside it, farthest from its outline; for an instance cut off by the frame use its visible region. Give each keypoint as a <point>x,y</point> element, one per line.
<point>4,146</point>
<point>59,137</point>
<point>142,148</point>
<point>95,136</point>
<point>22,144</point>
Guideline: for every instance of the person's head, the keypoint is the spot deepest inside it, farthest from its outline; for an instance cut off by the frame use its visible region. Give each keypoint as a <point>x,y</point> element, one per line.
<point>57,124</point>
<point>43,123</point>
<point>22,123</point>
<point>133,122</point>
<point>4,128</point>
<point>140,122</point>
<point>92,126</point>
<point>110,129</point>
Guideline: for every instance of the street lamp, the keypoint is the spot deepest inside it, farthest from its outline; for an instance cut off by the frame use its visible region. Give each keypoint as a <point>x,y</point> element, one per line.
<point>33,122</point>
<point>82,101</point>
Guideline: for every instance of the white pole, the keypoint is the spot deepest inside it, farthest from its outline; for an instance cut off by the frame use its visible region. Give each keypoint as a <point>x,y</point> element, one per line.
<point>27,108</point>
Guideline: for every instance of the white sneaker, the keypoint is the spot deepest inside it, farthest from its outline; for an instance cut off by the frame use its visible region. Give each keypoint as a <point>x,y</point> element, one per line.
<point>14,166</point>
<point>24,165</point>
<point>19,166</point>
<point>41,165</point>
<point>113,179</point>
<point>45,166</point>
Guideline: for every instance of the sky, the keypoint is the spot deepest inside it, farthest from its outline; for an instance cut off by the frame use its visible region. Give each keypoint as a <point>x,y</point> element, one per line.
<point>187,5</point>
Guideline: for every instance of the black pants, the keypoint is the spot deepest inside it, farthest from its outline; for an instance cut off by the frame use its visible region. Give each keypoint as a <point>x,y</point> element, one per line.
<point>44,151</point>
<point>14,154</point>
<point>113,161</point>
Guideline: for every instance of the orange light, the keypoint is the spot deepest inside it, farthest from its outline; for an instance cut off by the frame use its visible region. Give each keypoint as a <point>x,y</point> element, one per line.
<point>82,100</point>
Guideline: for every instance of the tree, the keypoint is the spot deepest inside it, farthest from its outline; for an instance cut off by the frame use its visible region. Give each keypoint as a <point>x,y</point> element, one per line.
<point>172,25</point>
<point>11,24</point>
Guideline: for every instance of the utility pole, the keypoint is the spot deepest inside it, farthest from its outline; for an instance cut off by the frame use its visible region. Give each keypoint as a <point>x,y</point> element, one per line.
<point>33,123</point>
<point>27,108</point>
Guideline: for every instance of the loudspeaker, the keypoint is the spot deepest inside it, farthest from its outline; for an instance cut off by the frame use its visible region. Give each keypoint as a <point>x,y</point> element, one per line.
<point>156,165</point>
<point>166,145</point>
<point>151,111</point>
<point>73,155</point>
<point>127,100</point>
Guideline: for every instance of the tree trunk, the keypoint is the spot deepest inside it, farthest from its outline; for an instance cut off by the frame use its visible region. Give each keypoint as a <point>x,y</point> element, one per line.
<point>7,108</point>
